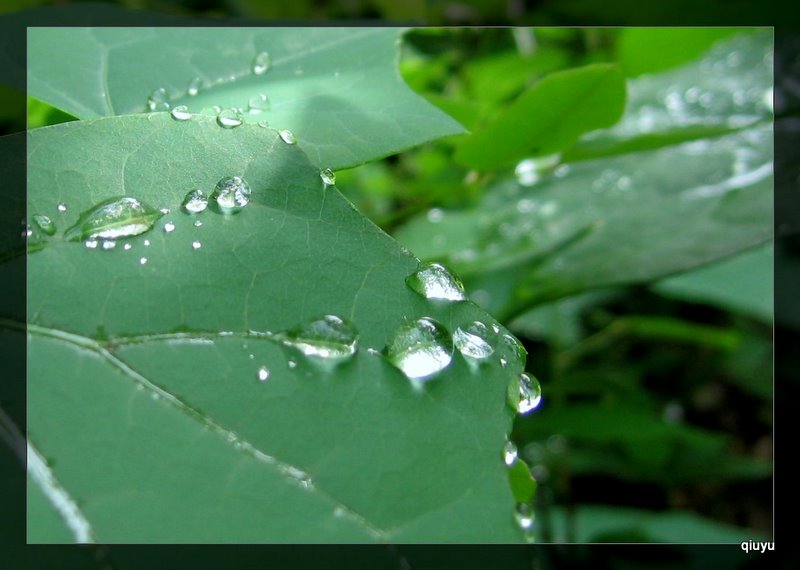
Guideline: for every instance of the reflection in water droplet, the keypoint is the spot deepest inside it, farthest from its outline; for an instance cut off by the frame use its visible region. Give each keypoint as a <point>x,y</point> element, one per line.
<point>523,516</point>
<point>328,177</point>
<point>261,63</point>
<point>231,194</point>
<point>229,118</point>
<point>529,394</point>
<point>90,243</point>
<point>509,453</point>
<point>180,113</point>
<point>287,136</point>
<point>44,223</point>
<point>420,349</point>
<point>258,104</point>
<point>329,338</point>
<point>473,341</point>
<point>113,218</point>
<point>196,244</point>
<point>434,281</point>
<point>109,244</point>
<point>169,227</point>
<point>142,260</point>
<point>61,207</point>
<point>195,201</point>
<point>158,100</point>
<point>263,374</point>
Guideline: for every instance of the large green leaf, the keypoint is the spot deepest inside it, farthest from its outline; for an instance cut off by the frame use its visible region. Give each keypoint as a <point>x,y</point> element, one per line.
<point>336,89</point>
<point>143,396</point>
<point>624,219</point>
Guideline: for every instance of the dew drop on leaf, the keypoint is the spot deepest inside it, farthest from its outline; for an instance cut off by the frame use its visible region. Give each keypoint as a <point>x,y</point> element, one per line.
<point>197,223</point>
<point>231,194</point>
<point>434,281</point>
<point>169,227</point>
<point>158,100</point>
<point>528,394</point>
<point>263,374</point>
<point>194,86</point>
<point>142,260</point>
<point>523,516</point>
<point>420,349</point>
<point>114,218</point>
<point>195,202</point>
<point>473,341</point>
<point>196,244</point>
<point>287,136</point>
<point>329,338</point>
<point>261,63</point>
<point>127,246</point>
<point>44,223</point>
<point>229,118</point>
<point>61,207</point>
<point>258,104</point>
<point>328,177</point>
<point>109,244</point>
<point>180,113</point>
<point>509,453</point>
<point>90,243</point>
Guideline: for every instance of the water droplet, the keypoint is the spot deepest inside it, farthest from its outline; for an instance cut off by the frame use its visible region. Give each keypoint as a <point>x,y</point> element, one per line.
<point>263,374</point>
<point>146,242</point>
<point>197,223</point>
<point>109,244</point>
<point>127,246</point>
<point>529,394</point>
<point>194,86</point>
<point>287,136</point>
<point>164,210</point>
<point>258,104</point>
<point>263,124</point>
<point>169,227</point>
<point>231,194</point>
<point>328,177</point>
<point>523,516</point>
<point>511,350</point>
<point>114,218</point>
<point>196,244</point>
<point>291,363</point>
<point>261,63</point>
<point>420,349</point>
<point>142,260</point>
<point>434,281</point>
<point>495,328</point>
<point>195,201</point>
<point>158,100</point>
<point>180,113</point>
<point>90,243</point>
<point>61,207</point>
<point>509,453</point>
<point>229,118</point>
<point>435,215</point>
<point>216,109</point>
<point>473,341</point>
<point>44,223</point>
<point>329,338</point>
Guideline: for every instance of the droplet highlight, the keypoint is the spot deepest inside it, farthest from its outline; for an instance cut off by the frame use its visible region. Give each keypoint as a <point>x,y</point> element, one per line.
<point>195,201</point>
<point>61,207</point>
<point>420,349</point>
<point>261,63</point>
<point>263,374</point>
<point>158,100</point>
<point>114,218</point>
<point>229,118</point>
<point>194,87</point>
<point>258,104</point>
<point>180,113</point>
<point>287,136</point>
<point>473,341</point>
<point>510,453</point>
<point>434,281</point>
<point>231,194</point>
<point>528,394</point>
<point>44,223</point>
<point>196,244</point>
<point>169,227</point>
<point>523,516</point>
<point>329,338</point>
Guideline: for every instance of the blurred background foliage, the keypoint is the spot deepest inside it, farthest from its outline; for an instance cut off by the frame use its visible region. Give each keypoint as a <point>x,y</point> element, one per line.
<point>656,422</point>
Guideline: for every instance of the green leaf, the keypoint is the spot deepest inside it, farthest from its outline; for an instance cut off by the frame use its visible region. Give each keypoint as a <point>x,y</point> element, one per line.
<point>742,283</point>
<point>549,117</point>
<point>522,482</point>
<point>625,219</point>
<point>143,377</point>
<point>337,89</point>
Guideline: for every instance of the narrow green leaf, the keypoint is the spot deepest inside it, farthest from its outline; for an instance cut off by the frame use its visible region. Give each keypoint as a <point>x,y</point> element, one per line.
<point>522,482</point>
<point>549,117</point>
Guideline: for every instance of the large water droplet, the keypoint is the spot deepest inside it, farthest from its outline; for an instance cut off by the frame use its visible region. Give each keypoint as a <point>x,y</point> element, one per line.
<point>263,374</point>
<point>261,63</point>
<point>420,349</point>
<point>510,453</point>
<point>528,394</point>
<point>329,338</point>
<point>287,136</point>
<point>44,223</point>
<point>195,201</point>
<point>258,104</point>
<point>114,218</point>
<point>229,118</point>
<point>523,516</point>
<point>231,194</point>
<point>194,86</point>
<point>434,281</point>
<point>473,341</point>
<point>158,100</point>
<point>180,113</point>
<point>328,177</point>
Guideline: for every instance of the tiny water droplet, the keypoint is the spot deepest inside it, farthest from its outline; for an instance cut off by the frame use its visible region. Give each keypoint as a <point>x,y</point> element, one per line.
<point>27,232</point>
<point>291,363</point>
<point>435,215</point>
<point>529,394</point>
<point>158,100</point>
<point>263,374</point>
<point>328,338</point>
<point>420,349</point>
<point>180,113</point>
<point>146,242</point>
<point>114,218</point>
<point>473,341</point>
<point>195,201</point>
<point>194,86</point>
<point>196,244</point>
<point>509,453</point>
<point>169,227</point>
<point>261,63</point>
<point>142,260</point>
<point>328,177</point>
<point>523,516</point>
<point>216,108</point>
<point>127,246</point>
<point>258,104</point>
<point>44,223</point>
<point>287,136</point>
<point>434,281</point>
<point>229,118</point>
<point>495,328</point>
<point>61,207</point>
<point>90,243</point>
<point>109,244</point>
<point>164,210</point>
<point>231,194</point>
<point>263,124</point>
<point>197,223</point>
